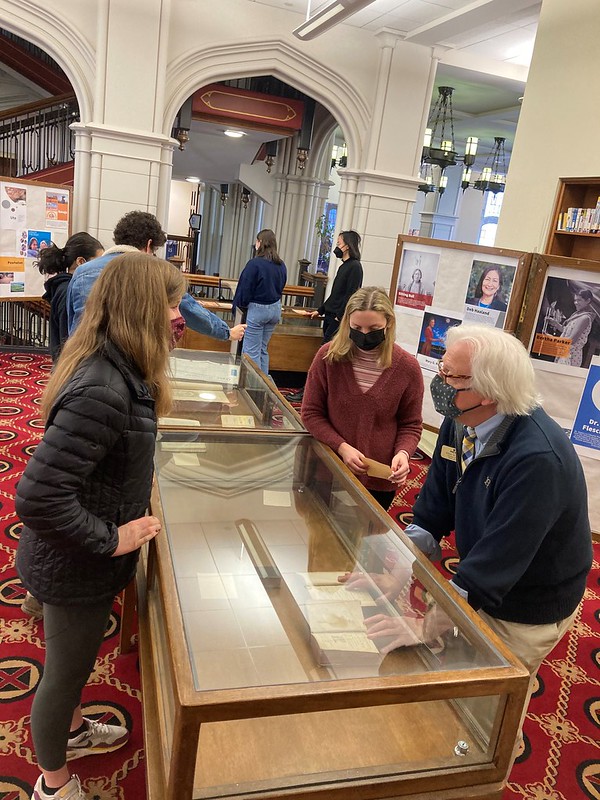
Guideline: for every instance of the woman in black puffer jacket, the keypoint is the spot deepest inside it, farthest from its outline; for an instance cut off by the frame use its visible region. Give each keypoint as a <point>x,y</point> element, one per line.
<point>84,493</point>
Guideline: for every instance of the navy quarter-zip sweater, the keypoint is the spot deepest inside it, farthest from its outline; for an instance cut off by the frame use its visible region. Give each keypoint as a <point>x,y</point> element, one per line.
<point>520,516</point>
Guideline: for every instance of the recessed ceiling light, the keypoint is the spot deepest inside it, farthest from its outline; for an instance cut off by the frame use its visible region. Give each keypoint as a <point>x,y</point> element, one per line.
<point>234,134</point>
<point>192,179</point>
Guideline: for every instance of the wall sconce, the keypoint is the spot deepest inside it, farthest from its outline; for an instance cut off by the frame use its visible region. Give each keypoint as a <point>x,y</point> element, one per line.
<point>183,136</point>
<point>271,154</point>
<point>246,196</point>
<point>224,193</point>
<point>302,157</point>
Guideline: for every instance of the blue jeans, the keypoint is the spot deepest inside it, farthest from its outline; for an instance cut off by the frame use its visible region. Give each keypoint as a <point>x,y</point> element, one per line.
<point>261,321</point>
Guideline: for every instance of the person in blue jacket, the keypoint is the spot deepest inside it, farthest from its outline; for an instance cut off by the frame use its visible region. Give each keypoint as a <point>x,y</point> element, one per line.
<point>259,293</point>
<point>141,231</point>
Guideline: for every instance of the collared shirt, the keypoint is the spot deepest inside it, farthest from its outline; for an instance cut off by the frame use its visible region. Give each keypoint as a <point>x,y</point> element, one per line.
<point>422,538</point>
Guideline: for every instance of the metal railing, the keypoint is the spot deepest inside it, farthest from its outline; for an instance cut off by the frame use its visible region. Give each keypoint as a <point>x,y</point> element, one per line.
<point>36,136</point>
<point>24,324</point>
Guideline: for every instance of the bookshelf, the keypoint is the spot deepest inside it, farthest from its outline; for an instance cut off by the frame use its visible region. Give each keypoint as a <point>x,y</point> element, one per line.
<point>576,235</point>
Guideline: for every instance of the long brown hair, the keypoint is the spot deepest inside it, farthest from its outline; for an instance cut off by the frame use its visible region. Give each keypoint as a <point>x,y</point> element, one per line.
<point>369,298</point>
<point>268,246</point>
<point>129,307</point>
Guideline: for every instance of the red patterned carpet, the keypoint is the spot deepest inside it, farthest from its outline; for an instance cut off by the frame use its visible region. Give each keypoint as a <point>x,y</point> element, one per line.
<point>561,757</point>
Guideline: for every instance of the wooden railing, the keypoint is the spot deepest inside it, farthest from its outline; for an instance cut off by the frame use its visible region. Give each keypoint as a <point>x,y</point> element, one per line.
<point>217,288</point>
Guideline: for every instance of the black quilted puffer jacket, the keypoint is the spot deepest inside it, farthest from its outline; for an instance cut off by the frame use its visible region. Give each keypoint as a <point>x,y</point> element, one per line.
<point>91,472</point>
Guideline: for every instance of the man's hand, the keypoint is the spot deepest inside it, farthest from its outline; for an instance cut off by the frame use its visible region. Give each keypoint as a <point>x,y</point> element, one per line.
<point>400,468</point>
<point>314,314</point>
<point>352,458</point>
<point>403,631</point>
<point>136,533</point>
<point>237,332</point>
<point>389,586</point>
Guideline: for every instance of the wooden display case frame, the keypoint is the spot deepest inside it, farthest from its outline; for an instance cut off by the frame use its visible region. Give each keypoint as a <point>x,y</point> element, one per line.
<point>173,778</point>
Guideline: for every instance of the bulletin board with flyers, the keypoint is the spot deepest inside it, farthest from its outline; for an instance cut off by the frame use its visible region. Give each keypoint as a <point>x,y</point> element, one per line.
<point>438,284</point>
<point>33,216</point>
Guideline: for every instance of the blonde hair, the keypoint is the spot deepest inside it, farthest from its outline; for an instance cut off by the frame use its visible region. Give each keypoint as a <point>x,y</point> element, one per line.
<point>501,369</point>
<point>129,307</point>
<point>369,298</point>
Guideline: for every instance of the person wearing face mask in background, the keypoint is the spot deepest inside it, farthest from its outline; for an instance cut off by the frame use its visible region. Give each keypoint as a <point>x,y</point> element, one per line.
<point>59,264</point>
<point>348,279</point>
<point>508,481</point>
<point>364,394</point>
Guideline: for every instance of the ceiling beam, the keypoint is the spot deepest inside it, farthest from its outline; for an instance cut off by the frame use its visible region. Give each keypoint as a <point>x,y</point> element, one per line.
<point>463,20</point>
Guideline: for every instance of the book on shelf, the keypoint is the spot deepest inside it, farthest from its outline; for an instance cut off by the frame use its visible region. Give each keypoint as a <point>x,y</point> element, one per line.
<point>579,220</point>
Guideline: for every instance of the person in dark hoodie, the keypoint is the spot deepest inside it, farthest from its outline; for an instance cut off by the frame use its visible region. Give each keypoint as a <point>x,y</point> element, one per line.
<point>59,264</point>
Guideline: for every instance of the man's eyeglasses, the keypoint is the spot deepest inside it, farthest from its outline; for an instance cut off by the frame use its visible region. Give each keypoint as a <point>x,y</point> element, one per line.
<point>445,375</point>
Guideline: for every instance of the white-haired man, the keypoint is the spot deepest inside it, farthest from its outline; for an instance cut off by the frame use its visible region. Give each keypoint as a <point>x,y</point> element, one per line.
<point>507,480</point>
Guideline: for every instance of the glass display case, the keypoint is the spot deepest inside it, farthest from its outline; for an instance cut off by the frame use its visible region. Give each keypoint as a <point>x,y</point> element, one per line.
<point>220,390</point>
<point>293,644</point>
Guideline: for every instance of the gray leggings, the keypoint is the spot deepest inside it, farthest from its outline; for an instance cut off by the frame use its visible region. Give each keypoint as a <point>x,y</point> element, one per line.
<point>73,637</point>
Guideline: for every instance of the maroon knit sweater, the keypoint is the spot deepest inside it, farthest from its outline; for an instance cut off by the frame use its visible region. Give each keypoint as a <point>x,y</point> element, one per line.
<point>379,422</point>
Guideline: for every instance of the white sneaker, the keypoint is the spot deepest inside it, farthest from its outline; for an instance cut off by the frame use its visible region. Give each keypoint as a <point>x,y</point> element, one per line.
<point>31,607</point>
<point>70,791</point>
<point>98,738</point>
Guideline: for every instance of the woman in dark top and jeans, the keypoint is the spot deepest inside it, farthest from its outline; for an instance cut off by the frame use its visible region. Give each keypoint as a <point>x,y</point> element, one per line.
<point>259,293</point>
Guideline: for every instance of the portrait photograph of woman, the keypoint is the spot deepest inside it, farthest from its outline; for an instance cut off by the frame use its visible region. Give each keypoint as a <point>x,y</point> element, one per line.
<point>490,285</point>
<point>568,326</point>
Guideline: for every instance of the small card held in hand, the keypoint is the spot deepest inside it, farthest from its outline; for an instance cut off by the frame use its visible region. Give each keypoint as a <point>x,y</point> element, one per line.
<point>375,469</point>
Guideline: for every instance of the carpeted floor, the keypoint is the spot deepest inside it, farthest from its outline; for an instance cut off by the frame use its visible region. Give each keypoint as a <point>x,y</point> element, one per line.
<point>561,757</point>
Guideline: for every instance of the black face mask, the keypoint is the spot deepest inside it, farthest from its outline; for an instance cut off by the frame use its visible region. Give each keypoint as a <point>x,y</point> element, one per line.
<point>367,341</point>
<point>444,395</point>
<point>338,252</point>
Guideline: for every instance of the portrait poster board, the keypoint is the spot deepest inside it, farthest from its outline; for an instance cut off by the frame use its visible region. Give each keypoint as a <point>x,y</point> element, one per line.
<point>32,216</point>
<point>436,285</point>
<point>563,354</point>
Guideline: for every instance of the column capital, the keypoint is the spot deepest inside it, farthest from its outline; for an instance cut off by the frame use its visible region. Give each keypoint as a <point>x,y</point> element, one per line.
<point>386,37</point>
<point>108,133</point>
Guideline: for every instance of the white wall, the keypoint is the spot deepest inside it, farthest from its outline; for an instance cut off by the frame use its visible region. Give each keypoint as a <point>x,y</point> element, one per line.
<point>179,207</point>
<point>557,131</point>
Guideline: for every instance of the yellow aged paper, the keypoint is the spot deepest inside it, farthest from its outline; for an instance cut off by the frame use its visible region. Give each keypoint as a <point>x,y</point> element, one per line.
<point>237,421</point>
<point>352,642</point>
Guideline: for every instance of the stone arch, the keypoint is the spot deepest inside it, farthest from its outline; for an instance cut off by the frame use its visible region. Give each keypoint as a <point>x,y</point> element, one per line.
<point>243,59</point>
<point>62,41</point>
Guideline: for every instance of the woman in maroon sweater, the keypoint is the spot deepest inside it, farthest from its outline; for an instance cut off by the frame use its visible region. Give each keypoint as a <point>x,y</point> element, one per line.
<point>364,394</point>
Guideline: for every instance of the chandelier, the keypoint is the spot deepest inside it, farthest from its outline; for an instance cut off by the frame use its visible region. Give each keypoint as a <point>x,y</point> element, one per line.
<point>438,142</point>
<point>493,175</point>
<point>427,184</point>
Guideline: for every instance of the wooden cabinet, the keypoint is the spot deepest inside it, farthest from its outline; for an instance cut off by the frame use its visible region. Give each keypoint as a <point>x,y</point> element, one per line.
<point>574,193</point>
<point>259,680</point>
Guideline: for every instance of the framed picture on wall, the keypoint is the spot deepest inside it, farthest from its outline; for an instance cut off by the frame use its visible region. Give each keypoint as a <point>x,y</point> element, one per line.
<point>561,318</point>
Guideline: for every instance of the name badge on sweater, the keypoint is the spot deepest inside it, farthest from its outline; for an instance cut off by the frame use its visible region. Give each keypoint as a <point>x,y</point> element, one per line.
<point>448,452</point>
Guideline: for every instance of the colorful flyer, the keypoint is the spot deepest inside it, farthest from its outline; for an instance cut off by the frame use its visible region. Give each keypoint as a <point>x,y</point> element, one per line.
<point>13,206</point>
<point>57,209</point>
<point>585,434</point>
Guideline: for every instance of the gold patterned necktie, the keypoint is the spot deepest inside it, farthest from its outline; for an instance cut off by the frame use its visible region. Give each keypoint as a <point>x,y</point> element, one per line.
<point>468,447</point>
